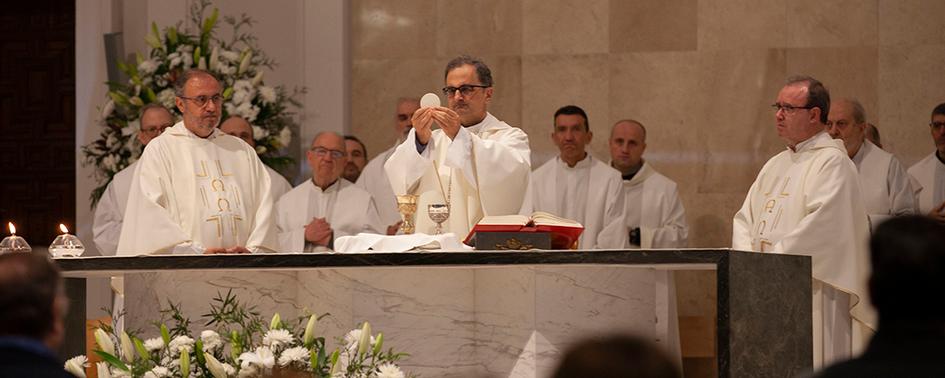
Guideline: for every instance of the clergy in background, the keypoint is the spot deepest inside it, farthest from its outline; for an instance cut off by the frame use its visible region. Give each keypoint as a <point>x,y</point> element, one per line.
<point>884,184</point>
<point>654,215</point>
<point>240,128</point>
<point>474,164</point>
<point>806,200</point>
<point>357,158</point>
<point>110,210</point>
<point>313,214</point>
<point>930,171</point>
<point>374,178</point>
<point>197,189</point>
<point>578,186</point>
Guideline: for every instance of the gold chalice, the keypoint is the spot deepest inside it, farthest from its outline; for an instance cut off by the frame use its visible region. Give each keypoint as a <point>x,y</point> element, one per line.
<point>407,206</point>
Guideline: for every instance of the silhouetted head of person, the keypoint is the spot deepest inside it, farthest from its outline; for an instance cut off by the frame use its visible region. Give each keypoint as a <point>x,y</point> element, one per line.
<point>907,256</point>
<point>32,298</point>
<point>616,357</point>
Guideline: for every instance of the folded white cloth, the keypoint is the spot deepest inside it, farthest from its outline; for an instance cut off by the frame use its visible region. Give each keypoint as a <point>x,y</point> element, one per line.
<point>365,242</point>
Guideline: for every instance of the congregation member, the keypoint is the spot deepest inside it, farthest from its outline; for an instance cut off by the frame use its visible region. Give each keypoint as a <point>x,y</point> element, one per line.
<point>474,163</point>
<point>312,215</point>
<point>654,215</point>
<point>907,256</point>
<point>110,210</point>
<point>578,186</point>
<point>885,185</point>
<point>196,189</point>
<point>872,135</point>
<point>617,356</point>
<point>240,128</point>
<point>374,177</point>
<point>806,200</point>
<point>33,307</point>
<point>357,158</point>
<point>930,171</point>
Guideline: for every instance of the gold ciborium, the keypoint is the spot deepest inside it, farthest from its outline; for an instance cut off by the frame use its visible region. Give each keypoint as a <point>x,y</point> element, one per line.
<point>407,206</point>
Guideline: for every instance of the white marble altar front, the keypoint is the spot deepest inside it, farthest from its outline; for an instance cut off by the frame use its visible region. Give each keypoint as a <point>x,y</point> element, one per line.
<point>510,321</point>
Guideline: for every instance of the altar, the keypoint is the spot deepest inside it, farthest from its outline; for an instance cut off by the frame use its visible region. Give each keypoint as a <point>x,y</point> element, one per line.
<point>484,313</point>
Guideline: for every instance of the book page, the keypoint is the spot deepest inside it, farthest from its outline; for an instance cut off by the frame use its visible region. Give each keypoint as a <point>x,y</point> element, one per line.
<point>548,219</point>
<point>513,219</point>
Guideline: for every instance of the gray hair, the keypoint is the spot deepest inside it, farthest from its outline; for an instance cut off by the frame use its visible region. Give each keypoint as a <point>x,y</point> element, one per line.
<point>152,106</point>
<point>817,94</point>
<point>482,70</point>
<point>319,134</point>
<point>186,76</point>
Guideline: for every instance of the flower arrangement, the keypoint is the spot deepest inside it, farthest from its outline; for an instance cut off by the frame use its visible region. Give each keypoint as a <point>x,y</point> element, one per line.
<point>237,63</point>
<point>239,345</point>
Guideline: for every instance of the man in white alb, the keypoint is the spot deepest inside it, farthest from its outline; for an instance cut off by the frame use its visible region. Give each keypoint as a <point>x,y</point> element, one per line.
<point>806,200</point>
<point>474,164</point>
<point>312,215</point>
<point>930,171</point>
<point>110,210</point>
<point>196,189</point>
<point>654,215</point>
<point>357,158</point>
<point>884,184</point>
<point>374,178</point>
<point>578,186</point>
<point>240,128</point>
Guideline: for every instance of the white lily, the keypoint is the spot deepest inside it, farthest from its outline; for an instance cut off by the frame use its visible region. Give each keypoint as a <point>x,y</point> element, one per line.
<point>104,341</point>
<point>76,366</point>
<point>127,348</point>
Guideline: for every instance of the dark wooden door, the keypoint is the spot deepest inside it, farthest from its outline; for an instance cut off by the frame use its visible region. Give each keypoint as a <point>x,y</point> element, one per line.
<point>37,118</point>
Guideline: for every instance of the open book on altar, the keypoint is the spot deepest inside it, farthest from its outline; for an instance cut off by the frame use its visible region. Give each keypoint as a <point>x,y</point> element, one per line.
<point>564,232</point>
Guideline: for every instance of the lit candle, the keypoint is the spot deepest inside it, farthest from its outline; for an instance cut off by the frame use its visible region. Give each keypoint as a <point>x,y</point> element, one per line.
<point>14,243</point>
<point>66,245</point>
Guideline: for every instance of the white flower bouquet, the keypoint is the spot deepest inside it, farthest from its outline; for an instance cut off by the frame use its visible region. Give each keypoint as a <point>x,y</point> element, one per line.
<point>238,63</point>
<point>236,346</point>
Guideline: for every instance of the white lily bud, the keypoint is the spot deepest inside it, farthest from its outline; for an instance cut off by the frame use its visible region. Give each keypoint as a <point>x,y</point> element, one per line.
<point>127,348</point>
<point>215,367</point>
<point>244,64</point>
<point>257,79</point>
<point>214,57</point>
<point>309,334</point>
<point>104,342</point>
<point>365,341</point>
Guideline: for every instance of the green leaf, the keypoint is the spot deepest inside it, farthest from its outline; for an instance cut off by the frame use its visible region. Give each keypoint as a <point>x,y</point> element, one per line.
<point>198,352</point>
<point>210,21</point>
<point>112,360</point>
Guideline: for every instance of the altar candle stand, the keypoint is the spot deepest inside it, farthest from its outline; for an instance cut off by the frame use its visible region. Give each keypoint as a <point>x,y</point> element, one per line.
<point>14,243</point>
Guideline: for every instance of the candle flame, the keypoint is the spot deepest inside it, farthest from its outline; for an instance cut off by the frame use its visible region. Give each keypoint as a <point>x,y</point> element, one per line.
<point>12,228</point>
<point>63,228</point>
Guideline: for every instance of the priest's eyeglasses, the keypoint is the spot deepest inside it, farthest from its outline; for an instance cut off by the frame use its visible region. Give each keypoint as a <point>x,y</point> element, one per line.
<point>937,125</point>
<point>465,89</point>
<point>322,152</point>
<point>788,108</point>
<point>201,101</point>
<point>157,130</point>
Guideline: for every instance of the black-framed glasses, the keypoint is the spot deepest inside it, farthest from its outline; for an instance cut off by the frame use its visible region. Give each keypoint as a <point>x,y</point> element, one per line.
<point>788,108</point>
<point>322,152</point>
<point>202,101</point>
<point>936,125</point>
<point>465,89</point>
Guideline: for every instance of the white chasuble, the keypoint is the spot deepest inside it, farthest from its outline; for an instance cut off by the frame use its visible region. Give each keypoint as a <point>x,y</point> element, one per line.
<point>885,186</point>
<point>483,171</point>
<point>278,184</point>
<point>930,175</point>
<point>591,193</point>
<point>191,193</point>
<point>346,207</point>
<point>808,202</point>
<point>653,205</point>
<point>110,211</point>
<point>374,179</point>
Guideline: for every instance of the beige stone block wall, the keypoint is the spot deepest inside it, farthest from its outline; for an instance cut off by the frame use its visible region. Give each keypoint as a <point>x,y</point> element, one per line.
<point>701,75</point>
